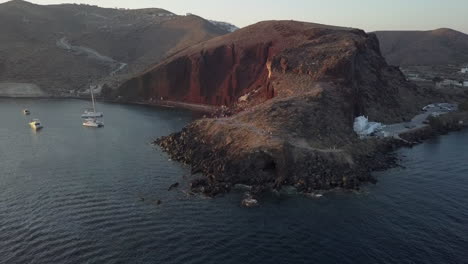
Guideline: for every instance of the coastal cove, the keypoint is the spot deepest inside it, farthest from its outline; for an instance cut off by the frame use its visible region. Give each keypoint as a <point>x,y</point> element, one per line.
<point>75,195</point>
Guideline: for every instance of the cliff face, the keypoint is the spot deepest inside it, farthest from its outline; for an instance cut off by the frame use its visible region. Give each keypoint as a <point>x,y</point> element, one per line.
<point>297,88</point>
<point>274,59</point>
<point>217,76</point>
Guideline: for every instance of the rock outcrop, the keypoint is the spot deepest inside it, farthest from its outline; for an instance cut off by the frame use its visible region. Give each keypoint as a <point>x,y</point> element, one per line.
<point>296,89</point>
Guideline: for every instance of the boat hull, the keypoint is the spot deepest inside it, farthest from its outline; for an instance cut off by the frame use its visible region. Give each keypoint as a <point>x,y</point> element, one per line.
<point>93,124</point>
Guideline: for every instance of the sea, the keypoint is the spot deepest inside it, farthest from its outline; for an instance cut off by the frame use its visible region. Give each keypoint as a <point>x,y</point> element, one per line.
<point>71,194</point>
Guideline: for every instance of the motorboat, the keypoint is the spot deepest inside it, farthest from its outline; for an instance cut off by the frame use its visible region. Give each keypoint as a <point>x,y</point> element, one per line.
<point>35,124</point>
<point>26,112</point>
<point>93,122</point>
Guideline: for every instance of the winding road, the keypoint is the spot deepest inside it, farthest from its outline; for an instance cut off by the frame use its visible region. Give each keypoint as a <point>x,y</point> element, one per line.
<point>115,65</point>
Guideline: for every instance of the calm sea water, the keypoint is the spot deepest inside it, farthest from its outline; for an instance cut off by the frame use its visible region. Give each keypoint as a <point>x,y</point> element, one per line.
<point>70,194</point>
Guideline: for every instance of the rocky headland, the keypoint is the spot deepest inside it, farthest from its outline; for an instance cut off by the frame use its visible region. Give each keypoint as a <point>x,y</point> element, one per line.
<point>290,92</point>
<point>294,90</point>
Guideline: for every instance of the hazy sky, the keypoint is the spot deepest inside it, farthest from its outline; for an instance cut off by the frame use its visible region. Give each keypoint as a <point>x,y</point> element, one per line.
<point>369,15</point>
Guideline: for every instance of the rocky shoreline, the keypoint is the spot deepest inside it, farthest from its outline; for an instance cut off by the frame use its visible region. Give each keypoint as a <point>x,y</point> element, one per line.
<point>220,169</point>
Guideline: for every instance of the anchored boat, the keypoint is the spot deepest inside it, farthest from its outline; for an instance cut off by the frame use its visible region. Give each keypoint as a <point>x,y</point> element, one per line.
<point>35,124</point>
<point>91,113</point>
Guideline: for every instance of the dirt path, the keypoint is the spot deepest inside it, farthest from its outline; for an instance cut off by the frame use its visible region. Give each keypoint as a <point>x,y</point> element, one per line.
<point>93,54</point>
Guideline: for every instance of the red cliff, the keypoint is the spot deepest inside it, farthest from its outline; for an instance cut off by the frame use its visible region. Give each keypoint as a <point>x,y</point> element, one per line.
<point>255,63</point>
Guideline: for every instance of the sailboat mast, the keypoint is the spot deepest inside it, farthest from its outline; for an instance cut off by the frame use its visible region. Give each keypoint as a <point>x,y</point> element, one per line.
<point>92,98</point>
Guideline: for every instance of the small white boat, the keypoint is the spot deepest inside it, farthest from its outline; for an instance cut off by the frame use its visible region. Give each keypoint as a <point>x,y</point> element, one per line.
<point>26,112</point>
<point>93,122</point>
<point>35,124</point>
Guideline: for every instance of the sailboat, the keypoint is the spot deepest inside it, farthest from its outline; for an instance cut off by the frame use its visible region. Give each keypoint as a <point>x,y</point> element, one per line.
<point>91,113</point>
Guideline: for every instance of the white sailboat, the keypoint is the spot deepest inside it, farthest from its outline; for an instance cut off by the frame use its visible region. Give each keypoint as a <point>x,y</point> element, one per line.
<point>91,113</point>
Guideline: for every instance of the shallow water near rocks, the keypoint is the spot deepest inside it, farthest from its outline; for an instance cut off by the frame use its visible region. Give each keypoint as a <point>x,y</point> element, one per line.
<point>70,194</point>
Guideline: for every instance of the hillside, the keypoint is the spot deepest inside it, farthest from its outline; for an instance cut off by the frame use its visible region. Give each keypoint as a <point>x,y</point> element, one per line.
<point>295,89</point>
<point>436,47</point>
<point>65,47</point>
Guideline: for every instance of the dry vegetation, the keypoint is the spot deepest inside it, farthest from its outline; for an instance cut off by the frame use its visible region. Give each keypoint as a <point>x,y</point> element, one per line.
<point>140,38</point>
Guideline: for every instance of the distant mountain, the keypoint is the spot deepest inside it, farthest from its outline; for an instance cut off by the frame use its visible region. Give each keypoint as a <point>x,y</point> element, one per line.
<point>65,47</point>
<point>436,47</point>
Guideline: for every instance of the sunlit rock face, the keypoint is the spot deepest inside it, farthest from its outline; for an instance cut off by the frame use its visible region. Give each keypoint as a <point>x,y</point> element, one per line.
<point>295,89</point>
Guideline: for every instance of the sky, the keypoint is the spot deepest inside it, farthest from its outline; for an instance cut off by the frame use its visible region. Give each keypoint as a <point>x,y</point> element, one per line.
<point>370,15</point>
